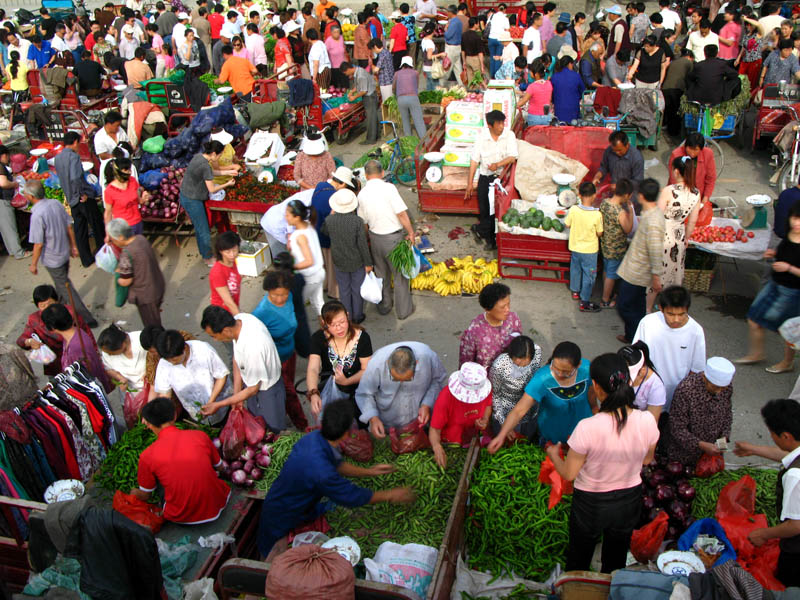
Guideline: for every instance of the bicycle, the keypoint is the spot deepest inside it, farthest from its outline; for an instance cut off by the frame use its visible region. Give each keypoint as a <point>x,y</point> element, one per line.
<point>401,169</point>
<point>696,123</point>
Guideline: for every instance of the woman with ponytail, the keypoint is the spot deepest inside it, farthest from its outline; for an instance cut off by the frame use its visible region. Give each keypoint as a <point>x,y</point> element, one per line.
<point>18,74</point>
<point>680,203</point>
<point>605,458</point>
<point>306,251</point>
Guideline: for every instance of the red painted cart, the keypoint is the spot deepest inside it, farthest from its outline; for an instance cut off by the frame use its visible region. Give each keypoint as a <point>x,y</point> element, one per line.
<point>770,118</point>
<point>242,217</point>
<point>340,122</point>
<point>540,258</point>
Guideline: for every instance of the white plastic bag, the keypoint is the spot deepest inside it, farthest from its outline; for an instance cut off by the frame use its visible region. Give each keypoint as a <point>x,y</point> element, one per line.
<point>790,330</point>
<point>410,566</point>
<point>372,288</point>
<point>106,259</point>
<point>200,589</point>
<point>43,354</point>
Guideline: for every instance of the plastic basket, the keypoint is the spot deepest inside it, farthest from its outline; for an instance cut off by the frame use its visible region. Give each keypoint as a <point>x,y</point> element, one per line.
<point>698,280</point>
<point>690,121</point>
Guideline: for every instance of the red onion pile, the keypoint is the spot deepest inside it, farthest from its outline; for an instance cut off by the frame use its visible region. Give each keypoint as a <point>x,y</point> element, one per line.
<point>164,202</point>
<point>249,467</point>
<point>665,487</point>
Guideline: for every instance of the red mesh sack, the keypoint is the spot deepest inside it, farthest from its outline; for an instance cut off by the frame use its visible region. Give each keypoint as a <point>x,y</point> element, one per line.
<point>709,464</point>
<point>558,485</point>
<point>310,572</point>
<point>737,499</point>
<point>357,445</point>
<point>242,427</point>
<point>138,511</point>
<point>646,542</point>
<point>409,438</point>
<point>133,404</point>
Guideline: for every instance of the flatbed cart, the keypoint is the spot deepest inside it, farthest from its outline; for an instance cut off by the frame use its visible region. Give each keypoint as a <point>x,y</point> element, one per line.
<point>242,217</point>
<point>337,120</point>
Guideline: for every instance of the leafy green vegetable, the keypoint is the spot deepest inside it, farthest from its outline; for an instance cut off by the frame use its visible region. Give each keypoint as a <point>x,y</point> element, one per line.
<point>430,97</point>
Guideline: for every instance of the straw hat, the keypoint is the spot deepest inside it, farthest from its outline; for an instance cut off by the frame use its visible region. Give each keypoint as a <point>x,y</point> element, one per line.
<point>343,201</point>
<point>504,36</point>
<point>313,146</point>
<point>343,175</point>
<point>470,384</point>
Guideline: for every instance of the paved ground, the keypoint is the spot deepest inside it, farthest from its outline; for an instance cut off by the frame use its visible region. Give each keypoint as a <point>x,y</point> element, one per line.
<point>546,311</point>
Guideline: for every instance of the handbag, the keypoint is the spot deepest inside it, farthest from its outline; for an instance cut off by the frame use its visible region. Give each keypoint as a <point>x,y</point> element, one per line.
<point>446,63</point>
<point>437,69</point>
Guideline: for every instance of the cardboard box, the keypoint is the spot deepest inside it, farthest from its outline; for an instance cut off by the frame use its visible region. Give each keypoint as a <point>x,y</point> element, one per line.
<point>455,156</point>
<point>461,134</point>
<point>465,113</point>
<point>253,265</point>
<point>503,100</point>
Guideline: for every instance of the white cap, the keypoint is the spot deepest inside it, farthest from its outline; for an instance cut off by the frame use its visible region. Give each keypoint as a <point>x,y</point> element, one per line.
<point>223,137</point>
<point>290,27</point>
<point>719,371</point>
<point>406,60</point>
<point>128,29</point>
<point>182,16</point>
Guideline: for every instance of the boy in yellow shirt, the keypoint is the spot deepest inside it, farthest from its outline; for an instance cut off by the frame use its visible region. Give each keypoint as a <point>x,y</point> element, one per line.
<point>585,224</point>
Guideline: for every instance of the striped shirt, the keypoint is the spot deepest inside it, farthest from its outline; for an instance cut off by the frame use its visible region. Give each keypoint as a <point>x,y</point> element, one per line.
<point>644,256</point>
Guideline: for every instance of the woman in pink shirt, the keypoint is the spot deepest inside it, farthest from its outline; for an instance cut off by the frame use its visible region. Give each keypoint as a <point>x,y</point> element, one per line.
<point>338,54</point>
<point>605,458</point>
<point>238,47</point>
<point>730,35</point>
<point>254,43</point>
<point>538,94</point>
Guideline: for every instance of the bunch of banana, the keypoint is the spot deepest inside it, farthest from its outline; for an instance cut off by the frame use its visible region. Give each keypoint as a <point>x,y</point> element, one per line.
<point>449,284</point>
<point>456,275</point>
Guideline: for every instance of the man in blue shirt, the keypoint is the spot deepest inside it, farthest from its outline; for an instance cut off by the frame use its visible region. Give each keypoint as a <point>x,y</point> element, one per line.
<point>452,43</point>
<point>40,53</point>
<point>315,470</point>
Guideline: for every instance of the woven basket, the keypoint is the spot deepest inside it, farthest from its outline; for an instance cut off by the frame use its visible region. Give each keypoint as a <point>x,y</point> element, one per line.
<point>698,280</point>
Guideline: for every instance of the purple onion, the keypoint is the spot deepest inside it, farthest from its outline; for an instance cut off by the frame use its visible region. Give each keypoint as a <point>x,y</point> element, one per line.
<point>247,454</point>
<point>249,465</point>
<point>236,465</point>
<point>256,473</point>
<point>263,460</point>
<point>248,482</point>
<point>239,477</point>
<point>266,449</point>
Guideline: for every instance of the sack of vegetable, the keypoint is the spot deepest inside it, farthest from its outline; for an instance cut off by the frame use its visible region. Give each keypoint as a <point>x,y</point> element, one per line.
<point>138,511</point>
<point>242,427</point>
<point>646,542</point>
<point>310,572</point>
<point>357,445</point>
<point>409,438</point>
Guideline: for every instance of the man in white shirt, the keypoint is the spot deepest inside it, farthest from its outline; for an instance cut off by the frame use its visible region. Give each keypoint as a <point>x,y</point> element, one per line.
<point>231,27</point>
<point>58,43</point>
<point>179,31</point>
<point>424,10</point>
<point>274,222</point>
<point>532,39</point>
<point>672,20</point>
<point>700,39</point>
<point>782,418</point>
<point>497,25</point>
<point>109,136</point>
<point>386,217</point>
<point>773,20</point>
<point>676,341</point>
<point>18,44</point>
<point>256,366</point>
<point>193,371</point>
<point>496,147</point>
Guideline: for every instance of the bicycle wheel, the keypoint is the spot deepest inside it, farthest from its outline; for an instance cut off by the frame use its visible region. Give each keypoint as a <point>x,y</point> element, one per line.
<point>719,157</point>
<point>406,172</point>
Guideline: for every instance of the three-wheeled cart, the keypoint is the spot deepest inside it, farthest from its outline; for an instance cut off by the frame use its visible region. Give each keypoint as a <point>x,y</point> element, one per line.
<point>769,121</point>
<point>340,120</point>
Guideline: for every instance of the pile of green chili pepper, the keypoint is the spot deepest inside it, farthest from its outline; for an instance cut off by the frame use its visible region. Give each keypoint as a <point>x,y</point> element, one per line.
<point>509,528</point>
<point>520,592</point>
<point>708,490</point>
<point>402,257</point>
<point>422,522</point>
<point>120,468</point>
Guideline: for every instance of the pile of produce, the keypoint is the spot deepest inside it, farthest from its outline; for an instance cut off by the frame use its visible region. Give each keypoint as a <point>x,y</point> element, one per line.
<point>337,92</point>
<point>348,30</point>
<point>453,93</point>
<point>119,469</point>
<point>708,490</point>
<point>54,192</point>
<point>476,82</point>
<point>422,522</point>
<point>431,97</point>
<point>509,528</point>
<point>26,175</point>
<point>250,189</point>
<point>516,33</point>
<point>250,466</point>
<point>455,276</point>
<point>408,145</point>
<point>208,79</point>
<point>476,97</point>
<point>712,233</point>
<point>164,202</point>
<point>666,487</point>
<point>532,219</point>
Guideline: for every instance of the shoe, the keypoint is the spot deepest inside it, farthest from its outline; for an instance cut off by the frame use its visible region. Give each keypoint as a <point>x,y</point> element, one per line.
<point>491,245</point>
<point>476,234</point>
<point>589,307</point>
<point>384,311</point>
<point>210,262</point>
<point>26,254</point>
<point>622,339</point>
<point>576,296</point>
<point>776,371</point>
<point>609,304</point>
<point>360,319</point>
<point>747,361</point>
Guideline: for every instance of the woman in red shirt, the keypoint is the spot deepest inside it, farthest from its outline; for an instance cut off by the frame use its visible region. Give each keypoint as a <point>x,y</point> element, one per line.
<point>461,409</point>
<point>224,278</point>
<point>283,54</point>
<point>123,195</point>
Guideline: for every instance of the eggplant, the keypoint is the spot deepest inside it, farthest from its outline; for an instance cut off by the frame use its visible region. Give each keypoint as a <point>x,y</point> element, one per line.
<point>658,478</point>
<point>648,503</point>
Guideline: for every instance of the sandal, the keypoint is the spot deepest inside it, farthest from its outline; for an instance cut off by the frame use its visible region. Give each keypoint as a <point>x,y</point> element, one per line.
<point>776,370</point>
<point>609,304</point>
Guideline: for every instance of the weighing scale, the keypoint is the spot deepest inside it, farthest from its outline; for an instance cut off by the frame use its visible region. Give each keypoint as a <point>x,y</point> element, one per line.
<point>759,203</point>
<point>267,174</point>
<point>41,162</point>
<point>566,196</point>
<point>434,172</point>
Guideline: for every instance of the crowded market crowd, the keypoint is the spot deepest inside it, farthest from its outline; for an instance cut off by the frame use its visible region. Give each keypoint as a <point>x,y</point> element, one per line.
<point>659,391</point>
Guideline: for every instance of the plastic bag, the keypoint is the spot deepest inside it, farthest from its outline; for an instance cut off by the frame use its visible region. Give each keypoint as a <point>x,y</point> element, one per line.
<point>133,404</point>
<point>357,445</point>
<point>154,145</point>
<point>790,331</point>
<point>424,263</point>
<point>409,566</point>
<point>709,464</point>
<point>151,179</point>
<point>409,438</point>
<point>138,511</point>
<point>707,527</point>
<point>737,499</point>
<point>200,589</point>
<point>558,485</point>
<point>106,259</point>
<point>43,354</point>
<point>242,427</point>
<point>646,542</point>
<point>437,69</point>
<point>413,272</point>
<point>372,288</point>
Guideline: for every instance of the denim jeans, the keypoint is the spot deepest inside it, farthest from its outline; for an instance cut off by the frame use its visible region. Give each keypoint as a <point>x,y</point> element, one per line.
<point>495,49</point>
<point>582,273</point>
<point>430,83</point>
<point>196,209</point>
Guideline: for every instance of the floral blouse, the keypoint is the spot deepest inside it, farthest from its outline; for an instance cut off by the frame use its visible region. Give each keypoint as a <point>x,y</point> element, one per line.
<point>482,342</point>
<point>753,46</point>
<point>508,385</point>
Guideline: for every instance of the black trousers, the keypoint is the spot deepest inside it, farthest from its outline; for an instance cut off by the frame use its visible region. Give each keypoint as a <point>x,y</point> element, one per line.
<point>632,306</point>
<point>787,572</point>
<point>397,57</point>
<point>485,220</point>
<point>86,216</point>
<point>612,515</point>
<point>371,109</point>
<point>672,117</point>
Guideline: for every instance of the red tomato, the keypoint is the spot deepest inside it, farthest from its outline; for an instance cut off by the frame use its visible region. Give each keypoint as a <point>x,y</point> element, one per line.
<point>750,234</point>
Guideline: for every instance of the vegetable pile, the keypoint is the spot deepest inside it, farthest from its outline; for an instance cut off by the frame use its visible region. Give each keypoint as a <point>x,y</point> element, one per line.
<point>120,468</point>
<point>712,233</point>
<point>532,219</point>
<point>208,79</point>
<point>281,448</point>
<point>510,529</point>
<point>164,201</point>
<point>250,189</point>
<point>430,97</point>
<point>516,33</point>
<point>54,192</point>
<point>407,147</point>
<point>666,487</point>
<point>708,490</point>
<point>456,275</point>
